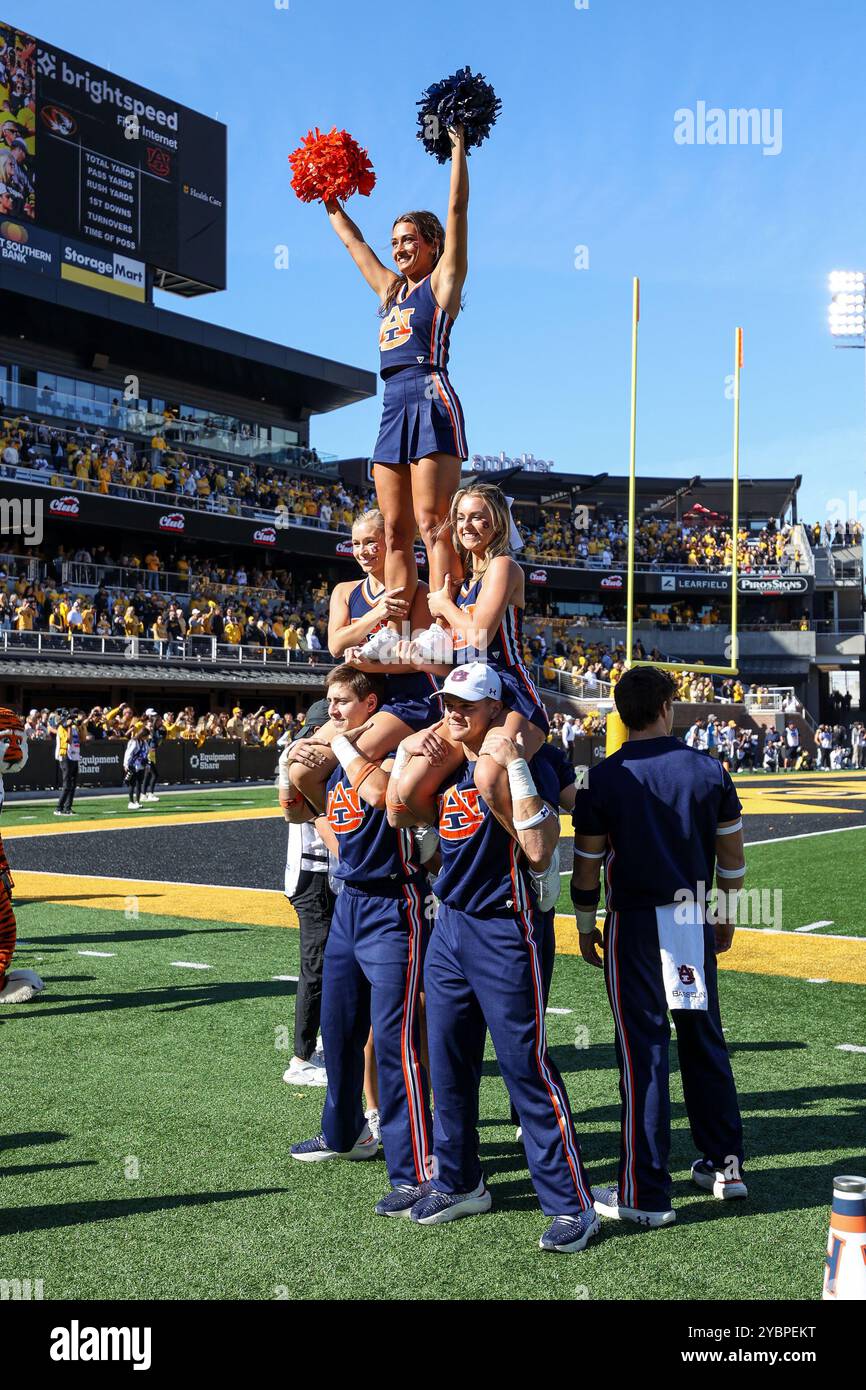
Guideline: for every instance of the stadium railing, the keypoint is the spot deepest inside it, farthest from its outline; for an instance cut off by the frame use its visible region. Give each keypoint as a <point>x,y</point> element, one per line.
<point>77,574</point>
<point>223,434</point>
<point>190,650</point>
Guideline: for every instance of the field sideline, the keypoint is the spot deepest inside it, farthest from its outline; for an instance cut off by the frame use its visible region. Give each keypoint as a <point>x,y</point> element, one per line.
<point>145,1152</point>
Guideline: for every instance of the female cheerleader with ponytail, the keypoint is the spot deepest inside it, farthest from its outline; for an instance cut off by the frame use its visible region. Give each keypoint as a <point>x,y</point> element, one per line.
<point>422,439</point>
<point>360,608</point>
<point>485,618</point>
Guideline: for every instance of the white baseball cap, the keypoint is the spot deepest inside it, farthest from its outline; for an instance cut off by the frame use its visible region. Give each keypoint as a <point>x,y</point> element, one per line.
<point>474,681</point>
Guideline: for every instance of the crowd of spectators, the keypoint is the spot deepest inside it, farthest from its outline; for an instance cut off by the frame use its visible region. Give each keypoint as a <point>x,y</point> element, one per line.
<point>96,460</point>
<point>261,727</point>
<point>743,749</point>
<point>835,533</point>
<point>660,543</point>
<point>268,608</point>
<point>92,460</point>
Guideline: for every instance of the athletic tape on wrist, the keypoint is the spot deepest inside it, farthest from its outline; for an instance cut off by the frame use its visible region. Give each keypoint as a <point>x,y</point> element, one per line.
<point>730,873</point>
<point>520,780</point>
<point>586,923</point>
<point>344,751</point>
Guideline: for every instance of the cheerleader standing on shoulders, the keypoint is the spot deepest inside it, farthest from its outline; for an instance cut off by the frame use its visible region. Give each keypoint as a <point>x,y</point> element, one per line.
<point>422,439</point>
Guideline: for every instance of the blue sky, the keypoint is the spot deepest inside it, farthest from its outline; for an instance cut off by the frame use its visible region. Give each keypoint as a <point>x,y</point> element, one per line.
<point>583,155</point>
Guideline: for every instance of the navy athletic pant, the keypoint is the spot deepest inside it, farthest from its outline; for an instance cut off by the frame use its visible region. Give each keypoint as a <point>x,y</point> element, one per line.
<point>633,974</point>
<point>546,934</point>
<point>487,973</point>
<point>372,974</point>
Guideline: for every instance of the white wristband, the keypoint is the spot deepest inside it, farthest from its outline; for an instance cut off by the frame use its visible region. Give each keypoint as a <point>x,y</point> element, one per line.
<point>344,751</point>
<point>520,780</point>
<point>539,816</point>
<point>730,873</point>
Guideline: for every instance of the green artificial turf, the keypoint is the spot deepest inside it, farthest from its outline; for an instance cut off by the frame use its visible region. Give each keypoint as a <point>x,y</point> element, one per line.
<point>108,808</point>
<point>128,1065</point>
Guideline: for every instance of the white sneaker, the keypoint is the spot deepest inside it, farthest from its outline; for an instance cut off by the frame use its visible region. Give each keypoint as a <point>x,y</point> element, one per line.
<point>548,884</point>
<point>300,1073</point>
<point>21,986</point>
<point>149,796</point>
<point>435,645</point>
<point>379,646</point>
<point>316,1150</point>
<point>372,1118</point>
<point>134,806</point>
<point>606,1202</point>
<point>713,1180</point>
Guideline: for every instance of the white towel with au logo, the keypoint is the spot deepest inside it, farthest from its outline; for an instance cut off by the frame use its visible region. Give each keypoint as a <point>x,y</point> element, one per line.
<point>681,944</point>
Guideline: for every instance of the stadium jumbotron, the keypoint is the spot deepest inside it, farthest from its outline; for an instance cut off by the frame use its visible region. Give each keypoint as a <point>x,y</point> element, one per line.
<point>303,700</point>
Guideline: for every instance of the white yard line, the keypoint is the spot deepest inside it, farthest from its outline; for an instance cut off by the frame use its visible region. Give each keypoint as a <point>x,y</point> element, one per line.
<point>813,926</point>
<point>849,1047</point>
<point>190,965</point>
<point>101,954</point>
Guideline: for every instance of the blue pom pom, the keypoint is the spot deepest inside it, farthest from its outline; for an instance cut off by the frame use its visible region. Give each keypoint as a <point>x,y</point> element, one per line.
<point>463,99</point>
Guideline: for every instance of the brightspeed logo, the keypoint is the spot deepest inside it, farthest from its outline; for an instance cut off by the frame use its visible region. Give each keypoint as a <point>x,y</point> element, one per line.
<point>22,517</point>
<point>77,1343</point>
<point>101,91</point>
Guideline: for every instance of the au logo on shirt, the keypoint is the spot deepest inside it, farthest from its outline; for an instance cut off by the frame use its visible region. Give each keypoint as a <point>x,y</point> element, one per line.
<point>396,328</point>
<point>345,812</point>
<point>459,814</point>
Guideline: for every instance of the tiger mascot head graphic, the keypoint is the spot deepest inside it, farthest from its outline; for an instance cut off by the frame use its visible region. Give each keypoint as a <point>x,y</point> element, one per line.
<point>13,741</point>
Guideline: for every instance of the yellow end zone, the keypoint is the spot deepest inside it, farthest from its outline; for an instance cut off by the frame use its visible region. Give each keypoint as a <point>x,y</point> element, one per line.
<point>754,952</point>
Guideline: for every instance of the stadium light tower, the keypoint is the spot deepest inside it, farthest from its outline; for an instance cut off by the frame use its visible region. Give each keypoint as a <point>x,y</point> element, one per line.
<point>847,312</point>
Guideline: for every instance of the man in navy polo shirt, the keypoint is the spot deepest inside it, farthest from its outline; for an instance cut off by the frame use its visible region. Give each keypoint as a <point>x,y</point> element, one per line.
<point>664,820</point>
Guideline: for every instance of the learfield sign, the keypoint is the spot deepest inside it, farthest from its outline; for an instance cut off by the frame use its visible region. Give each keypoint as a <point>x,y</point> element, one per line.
<point>100,178</point>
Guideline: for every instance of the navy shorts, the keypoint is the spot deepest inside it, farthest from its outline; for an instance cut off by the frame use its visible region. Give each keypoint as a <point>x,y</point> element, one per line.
<point>520,694</point>
<point>421,415</point>
<point>414,699</point>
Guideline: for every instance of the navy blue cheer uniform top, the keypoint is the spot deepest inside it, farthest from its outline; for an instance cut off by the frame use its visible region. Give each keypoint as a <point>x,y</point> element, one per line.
<point>372,854</point>
<point>421,412</point>
<point>504,652</point>
<point>483,871</point>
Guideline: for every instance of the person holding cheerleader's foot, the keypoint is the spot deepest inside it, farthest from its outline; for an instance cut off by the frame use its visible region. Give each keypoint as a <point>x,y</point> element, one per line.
<point>422,439</point>
<point>361,608</point>
<point>485,618</point>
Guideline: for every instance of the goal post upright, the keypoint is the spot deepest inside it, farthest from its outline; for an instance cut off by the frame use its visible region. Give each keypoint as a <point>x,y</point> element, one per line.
<point>616,732</point>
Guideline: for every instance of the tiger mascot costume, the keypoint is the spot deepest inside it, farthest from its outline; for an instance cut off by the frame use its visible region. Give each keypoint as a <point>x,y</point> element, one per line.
<point>16,986</point>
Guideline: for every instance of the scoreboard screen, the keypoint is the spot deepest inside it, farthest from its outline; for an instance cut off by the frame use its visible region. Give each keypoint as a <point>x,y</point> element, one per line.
<point>133,178</point>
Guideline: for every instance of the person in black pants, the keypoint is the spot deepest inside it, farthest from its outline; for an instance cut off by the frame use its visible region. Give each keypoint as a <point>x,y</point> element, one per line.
<point>313,900</point>
<point>309,891</point>
<point>135,764</point>
<point>68,754</point>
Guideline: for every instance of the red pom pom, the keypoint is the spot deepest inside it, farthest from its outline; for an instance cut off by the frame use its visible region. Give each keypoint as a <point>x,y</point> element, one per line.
<point>330,166</point>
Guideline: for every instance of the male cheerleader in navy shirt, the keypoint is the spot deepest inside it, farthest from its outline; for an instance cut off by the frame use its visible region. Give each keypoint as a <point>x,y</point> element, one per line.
<point>373,959</point>
<point>663,818</point>
<point>484,970</point>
